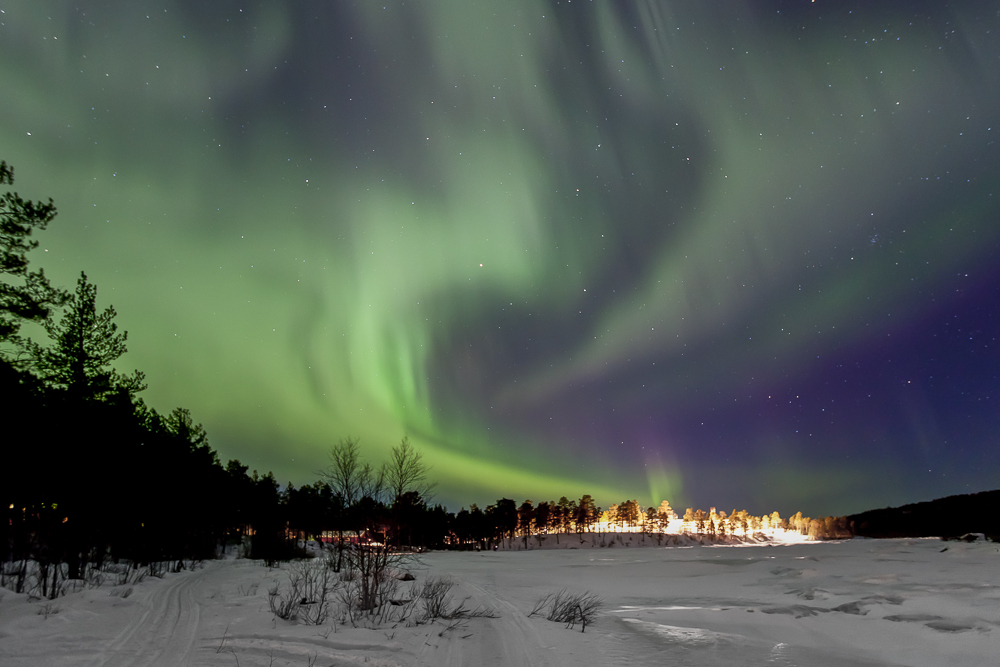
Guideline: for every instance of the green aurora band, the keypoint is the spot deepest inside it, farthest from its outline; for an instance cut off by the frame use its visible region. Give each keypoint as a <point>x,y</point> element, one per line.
<point>309,225</point>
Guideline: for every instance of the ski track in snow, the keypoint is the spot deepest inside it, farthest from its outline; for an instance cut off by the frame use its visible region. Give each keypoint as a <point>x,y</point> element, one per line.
<point>509,639</point>
<point>166,630</point>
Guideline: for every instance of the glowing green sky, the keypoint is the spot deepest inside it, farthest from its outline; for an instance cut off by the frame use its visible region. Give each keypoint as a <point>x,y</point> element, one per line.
<point>692,251</point>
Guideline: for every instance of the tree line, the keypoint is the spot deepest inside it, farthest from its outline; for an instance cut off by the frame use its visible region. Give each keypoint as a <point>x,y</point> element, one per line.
<point>96,475</point>
<point>583,516</point>
<point>93,474</point>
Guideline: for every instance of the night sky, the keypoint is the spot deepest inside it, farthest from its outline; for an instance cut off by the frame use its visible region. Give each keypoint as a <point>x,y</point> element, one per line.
<point>733,254</point>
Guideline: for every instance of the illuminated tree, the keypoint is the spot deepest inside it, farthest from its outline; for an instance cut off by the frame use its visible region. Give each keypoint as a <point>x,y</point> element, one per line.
<point>699,521</point>
<point>613,515</point>
<point>652,519</point>
<point>664,514</point>
<point>740,520</point>
<point>688,520</point>
<point>628,512</point>
<point>562,514</point>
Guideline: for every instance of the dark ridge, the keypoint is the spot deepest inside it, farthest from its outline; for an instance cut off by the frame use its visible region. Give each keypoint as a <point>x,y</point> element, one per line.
<point>945,517</point>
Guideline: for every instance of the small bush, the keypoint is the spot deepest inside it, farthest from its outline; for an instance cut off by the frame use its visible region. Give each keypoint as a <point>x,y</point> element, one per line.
<point>121,592</point>
<point>437,603</point>
<point>435,597</point>
<point>48,609</point>
<point>317,584</point>
<point>568,608</point>
<point>249,590</point>
<point>309,594</point>
<point>284,603</point>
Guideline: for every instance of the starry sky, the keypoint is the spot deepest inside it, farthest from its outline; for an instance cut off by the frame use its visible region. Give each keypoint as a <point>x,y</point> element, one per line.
<point>734,254</point>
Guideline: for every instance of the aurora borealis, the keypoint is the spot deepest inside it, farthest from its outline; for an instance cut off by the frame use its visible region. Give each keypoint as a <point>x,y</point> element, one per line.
<point>732,254</point>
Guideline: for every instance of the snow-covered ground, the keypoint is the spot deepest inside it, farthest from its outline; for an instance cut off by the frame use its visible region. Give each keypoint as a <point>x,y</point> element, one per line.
<point>861,602</point>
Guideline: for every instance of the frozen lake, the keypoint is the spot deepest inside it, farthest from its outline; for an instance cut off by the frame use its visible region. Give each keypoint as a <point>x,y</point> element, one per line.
<point>862,602</point>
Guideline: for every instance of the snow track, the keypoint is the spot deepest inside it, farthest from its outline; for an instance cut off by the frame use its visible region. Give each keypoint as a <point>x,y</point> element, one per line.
<point>510,639</point>
<point>165,631</point>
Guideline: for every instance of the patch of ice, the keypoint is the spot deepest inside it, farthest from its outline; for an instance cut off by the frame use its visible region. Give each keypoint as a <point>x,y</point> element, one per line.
<point>635,608</point>
<point>683,635</point>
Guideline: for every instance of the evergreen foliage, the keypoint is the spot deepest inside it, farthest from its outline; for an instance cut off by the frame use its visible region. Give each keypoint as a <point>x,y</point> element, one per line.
<point>25,296</point>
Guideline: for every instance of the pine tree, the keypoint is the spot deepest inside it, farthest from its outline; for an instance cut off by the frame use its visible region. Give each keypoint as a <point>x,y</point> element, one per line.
<point>586,512</point>
<point>664,514</point>
<point>526,518</point>
<point>543,517</point>
<point>650,524</point>
<point>628,512</point>
<point>33,299</point>
<point>613,515</point>
<point>84,345</point>
<point>563,514</point>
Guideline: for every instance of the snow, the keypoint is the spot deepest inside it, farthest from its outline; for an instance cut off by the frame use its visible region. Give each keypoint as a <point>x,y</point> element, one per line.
<point>859,602</point>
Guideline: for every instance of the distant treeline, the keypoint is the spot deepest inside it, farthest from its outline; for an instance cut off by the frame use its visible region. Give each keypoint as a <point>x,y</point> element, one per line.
<point>952,516</point>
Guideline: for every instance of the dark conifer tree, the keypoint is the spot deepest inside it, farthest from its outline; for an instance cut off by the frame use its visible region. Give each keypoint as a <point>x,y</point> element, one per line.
<point>543,516</point>
<point>85,343</point>
<point>24,295</point>
<point>586,512</point>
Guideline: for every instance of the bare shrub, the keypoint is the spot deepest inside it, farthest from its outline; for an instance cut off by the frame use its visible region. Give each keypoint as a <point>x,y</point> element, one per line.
<point>372,564</point>
<point>435,597</point>
<point>284,603</point>
<point>48,609</point>
<point>70,586</point>
<point>395,609</point>
<point>94,576</point>
<point>249,590</point>
<point>126,572</point>
<point>318,583</point>
<point>460,611</point>
<point>12,575</point>
<point>309,596</point>
<point>348,598</point>
<point>121,592</point>
<point>569,608</point>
